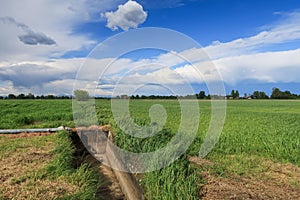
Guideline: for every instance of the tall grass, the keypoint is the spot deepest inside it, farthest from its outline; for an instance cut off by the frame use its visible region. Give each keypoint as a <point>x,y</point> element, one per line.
<point>268,129</point>
<point>35,113</point>
<point>87,178</point>
<point>176,181</point>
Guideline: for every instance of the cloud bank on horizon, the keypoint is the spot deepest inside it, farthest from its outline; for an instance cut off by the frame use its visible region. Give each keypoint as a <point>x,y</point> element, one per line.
<point>33,49</point>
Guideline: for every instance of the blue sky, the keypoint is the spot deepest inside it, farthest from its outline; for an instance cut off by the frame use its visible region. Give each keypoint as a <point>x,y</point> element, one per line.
<point>253,44</point>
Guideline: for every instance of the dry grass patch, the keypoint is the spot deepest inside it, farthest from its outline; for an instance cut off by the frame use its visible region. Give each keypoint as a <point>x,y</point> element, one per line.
<point>266,180</point>
<point>22,174</point>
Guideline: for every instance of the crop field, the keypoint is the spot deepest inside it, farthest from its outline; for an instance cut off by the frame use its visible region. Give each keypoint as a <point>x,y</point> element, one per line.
<point>257,156</point>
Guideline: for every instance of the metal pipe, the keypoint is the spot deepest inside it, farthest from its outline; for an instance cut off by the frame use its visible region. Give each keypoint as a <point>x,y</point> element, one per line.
<point>15,131</point>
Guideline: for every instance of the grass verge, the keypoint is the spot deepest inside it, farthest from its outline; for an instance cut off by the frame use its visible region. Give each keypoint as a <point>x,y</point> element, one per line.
<point>44,167</point>
<point>85,177</point>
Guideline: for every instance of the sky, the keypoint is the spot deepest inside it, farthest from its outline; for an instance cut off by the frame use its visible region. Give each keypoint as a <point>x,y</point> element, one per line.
<point>52,46</point>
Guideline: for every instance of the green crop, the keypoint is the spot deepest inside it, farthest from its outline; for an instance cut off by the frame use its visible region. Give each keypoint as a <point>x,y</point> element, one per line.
<point>254,131</point>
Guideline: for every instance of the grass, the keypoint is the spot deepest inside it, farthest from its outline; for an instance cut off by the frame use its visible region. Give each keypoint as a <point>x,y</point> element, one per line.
<point>176,181</point>
<point>35,113</point>
<point>44,168</point>
<point>85,177</point>
<point>255,133</point>
<point>258,130</point>
<point>22,169</point>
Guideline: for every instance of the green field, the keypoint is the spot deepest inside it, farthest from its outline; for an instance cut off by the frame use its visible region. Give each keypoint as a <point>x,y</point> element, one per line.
<point>257,135</point>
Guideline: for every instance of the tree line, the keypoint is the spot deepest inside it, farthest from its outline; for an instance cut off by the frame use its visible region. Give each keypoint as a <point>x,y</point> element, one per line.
<point>32,96</point>
<point>276,94</point>
<point>84,95</point>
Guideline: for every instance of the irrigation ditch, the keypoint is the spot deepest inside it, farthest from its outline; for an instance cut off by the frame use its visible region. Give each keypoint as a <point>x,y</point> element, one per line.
<point>118,184</point>
<point>125,181</point>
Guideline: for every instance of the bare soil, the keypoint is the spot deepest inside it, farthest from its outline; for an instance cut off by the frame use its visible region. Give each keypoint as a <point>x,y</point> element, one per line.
<point>24,135</point>
<point>112,190</point>
<point>280,181</point>
<point>21,171</point>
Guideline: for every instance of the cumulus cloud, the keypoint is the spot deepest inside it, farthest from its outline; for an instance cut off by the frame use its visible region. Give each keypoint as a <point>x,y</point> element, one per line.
<point>127,16</point>
<point>30,37</point>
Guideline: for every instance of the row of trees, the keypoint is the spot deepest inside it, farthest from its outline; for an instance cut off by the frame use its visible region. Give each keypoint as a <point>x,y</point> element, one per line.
<point>32,96</point>
<point>276,94</point>
<point>83,95</point>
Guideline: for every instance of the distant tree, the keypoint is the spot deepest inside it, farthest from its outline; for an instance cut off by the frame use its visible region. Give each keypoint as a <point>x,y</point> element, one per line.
<point>235,94</point>
<point>65,97</point>
<point>277,94</point>
<point>11,96</point>
<point>30,96</point>
<point>21,96</point>
<point>259,95</point>
<point>50,96</point>
<point>201,95</point>
<point>1,97</point>
<point>81,95</point>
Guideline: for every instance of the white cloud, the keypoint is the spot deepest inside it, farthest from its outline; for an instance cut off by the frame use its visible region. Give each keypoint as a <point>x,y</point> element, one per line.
<point>55,19</point>
<point>49,77</point>
<point>281,66</point>
<point>35,76</point>
<point>286,30</point>
<point>129,15</point>
<point>276,67</point>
